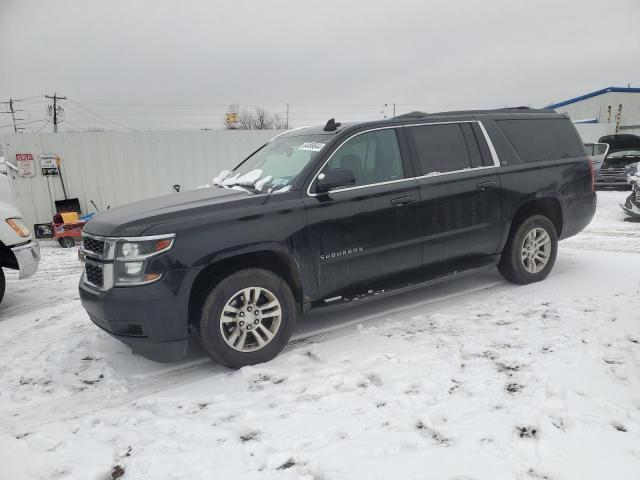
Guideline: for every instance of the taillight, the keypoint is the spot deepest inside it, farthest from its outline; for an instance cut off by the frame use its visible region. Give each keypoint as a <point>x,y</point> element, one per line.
<point>593,174</point>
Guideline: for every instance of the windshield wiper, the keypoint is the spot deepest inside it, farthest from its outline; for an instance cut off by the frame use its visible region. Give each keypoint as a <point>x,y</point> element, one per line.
<point>248,188</point>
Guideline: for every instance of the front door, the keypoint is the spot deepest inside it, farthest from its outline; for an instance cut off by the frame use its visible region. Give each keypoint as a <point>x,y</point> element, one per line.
<point>371,230</point>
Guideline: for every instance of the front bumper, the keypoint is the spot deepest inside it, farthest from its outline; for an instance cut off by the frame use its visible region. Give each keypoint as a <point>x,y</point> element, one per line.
<point>609,181</point>
<point>151,319</point>
<point>28,258</point>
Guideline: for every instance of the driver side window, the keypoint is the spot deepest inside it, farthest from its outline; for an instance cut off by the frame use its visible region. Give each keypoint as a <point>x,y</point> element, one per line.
<point>373,156</point>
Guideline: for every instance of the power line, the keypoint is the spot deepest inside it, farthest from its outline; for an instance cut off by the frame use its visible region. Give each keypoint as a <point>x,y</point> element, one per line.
<point>12,111</point>
<point>77,126</point>
<point>99,115</point>
<point>22,123</point>
<point>46,122</point>
<point>29,98</point>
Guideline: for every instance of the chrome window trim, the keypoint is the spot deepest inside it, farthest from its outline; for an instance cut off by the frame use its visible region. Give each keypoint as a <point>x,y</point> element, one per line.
<point>492,150</point>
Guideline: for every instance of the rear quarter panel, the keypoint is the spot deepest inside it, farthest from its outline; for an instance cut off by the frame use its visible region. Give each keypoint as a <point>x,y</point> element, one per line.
<point>566,180</point>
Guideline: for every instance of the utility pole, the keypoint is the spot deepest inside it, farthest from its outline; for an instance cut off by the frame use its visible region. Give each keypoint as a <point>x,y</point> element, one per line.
<point>287,126</point>
<point>394,109</point>
<point>13,115</point>
<point>12,111</point>
<point>58,112</point>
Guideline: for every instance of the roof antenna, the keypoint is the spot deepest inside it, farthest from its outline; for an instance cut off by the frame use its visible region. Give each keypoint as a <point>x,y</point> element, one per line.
<point>331,125</point>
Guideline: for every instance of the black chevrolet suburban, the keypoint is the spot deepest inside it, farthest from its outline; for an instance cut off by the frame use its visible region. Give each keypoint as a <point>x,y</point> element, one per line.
<point>325,217</point>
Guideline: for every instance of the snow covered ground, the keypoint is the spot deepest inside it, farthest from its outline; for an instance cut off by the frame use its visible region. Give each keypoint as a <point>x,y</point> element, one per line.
<point>473,379</point>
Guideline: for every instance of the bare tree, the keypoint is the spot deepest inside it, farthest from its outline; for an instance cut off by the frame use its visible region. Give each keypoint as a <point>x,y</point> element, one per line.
<point>259,119</point>
<point>246,120</point>
<point>263,120</point>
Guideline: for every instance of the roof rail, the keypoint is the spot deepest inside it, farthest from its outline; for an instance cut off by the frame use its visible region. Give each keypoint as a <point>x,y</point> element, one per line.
<point>518,109</point>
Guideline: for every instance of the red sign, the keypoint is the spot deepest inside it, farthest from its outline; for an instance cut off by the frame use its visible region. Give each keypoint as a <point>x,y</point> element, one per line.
<point>25,165</point>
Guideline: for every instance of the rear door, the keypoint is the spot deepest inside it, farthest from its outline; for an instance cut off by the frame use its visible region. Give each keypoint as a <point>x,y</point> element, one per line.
<point>460,194</point>
<point>372,230</point>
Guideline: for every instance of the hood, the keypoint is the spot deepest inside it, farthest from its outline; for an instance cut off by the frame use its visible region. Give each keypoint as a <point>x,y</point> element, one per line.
<point>620,142</point>
<point>134,218</point>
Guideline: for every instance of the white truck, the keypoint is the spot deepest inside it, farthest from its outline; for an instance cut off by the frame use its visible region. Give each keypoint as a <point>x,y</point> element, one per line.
<point>18,250</point>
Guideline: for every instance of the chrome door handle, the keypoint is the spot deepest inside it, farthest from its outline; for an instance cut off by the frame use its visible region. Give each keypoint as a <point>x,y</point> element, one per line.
<point>401,201</point>
<point>485,186</point>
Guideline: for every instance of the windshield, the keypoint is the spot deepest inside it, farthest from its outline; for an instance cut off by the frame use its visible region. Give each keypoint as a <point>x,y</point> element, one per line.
<point>274,167</point>
<point>625,153</point>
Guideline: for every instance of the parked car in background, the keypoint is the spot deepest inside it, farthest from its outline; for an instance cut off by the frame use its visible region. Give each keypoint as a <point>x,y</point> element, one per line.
<point>597,152</point>
<point>325,217</point>
<point>18,250</point>
<point>624,151</point>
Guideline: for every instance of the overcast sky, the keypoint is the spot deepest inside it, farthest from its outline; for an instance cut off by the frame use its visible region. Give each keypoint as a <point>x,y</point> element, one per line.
<point>177,64</point>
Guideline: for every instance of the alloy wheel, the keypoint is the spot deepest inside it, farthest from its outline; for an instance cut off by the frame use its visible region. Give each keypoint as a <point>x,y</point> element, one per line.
<point>536,250</point>
<point>250,319</point>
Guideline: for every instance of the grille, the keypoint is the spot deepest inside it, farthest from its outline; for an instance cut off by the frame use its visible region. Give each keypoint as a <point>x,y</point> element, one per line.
<point>638,195</point>
<point>93,245</point>
<point>613,172</point>
<point>94,274</point>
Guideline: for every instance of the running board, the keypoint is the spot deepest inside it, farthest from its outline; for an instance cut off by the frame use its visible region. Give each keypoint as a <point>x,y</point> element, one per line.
<point>343,301</point>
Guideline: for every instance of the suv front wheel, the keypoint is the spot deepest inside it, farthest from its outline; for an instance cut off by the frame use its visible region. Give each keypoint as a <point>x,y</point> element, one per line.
<point>530,251</point>
<point>247,318</point>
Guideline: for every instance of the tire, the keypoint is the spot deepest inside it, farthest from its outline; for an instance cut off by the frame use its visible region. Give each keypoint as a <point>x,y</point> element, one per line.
<point>66,242</point>
<point>528,240</point>
<point>3,284</point>
<point>235,298</point>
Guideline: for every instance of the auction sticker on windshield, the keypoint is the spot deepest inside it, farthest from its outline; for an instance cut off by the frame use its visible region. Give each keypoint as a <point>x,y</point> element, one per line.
<point>312,146</point>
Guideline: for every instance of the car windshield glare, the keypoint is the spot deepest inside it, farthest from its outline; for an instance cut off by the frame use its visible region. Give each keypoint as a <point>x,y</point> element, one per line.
<point>275,166</point>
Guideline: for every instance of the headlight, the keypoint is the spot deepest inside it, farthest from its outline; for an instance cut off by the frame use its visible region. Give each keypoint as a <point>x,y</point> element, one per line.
<point>18,226</point>
<point>132,257</point>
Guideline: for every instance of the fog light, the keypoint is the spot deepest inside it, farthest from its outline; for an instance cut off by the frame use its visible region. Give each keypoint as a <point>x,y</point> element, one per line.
<point>132,268</point>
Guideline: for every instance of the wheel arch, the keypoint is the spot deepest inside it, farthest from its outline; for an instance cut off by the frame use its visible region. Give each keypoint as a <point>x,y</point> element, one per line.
<point>274,260</point>
<point>549,206</point>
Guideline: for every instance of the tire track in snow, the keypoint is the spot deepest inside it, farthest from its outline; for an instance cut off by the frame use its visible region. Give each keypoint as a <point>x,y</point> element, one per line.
<point>23,421</point>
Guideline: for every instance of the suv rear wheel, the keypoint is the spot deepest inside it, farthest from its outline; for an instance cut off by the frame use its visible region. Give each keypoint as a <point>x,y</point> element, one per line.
<point>530,251</point>
<point>247,318</point>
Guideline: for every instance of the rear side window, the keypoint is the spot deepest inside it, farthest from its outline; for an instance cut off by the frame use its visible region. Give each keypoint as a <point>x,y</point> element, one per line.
<point>440,148</point>
<point>542,139</point>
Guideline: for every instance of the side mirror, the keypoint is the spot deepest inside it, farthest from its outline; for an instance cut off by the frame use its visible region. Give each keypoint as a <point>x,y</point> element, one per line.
<point>335,178</point>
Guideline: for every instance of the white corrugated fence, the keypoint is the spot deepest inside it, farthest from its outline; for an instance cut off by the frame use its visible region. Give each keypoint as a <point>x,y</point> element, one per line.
<point>115,168</point>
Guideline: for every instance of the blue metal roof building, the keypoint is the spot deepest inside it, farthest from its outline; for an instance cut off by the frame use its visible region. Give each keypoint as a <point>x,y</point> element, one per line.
<point>606,111</point>
<point>614,109</point>
<point>594,94</point>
